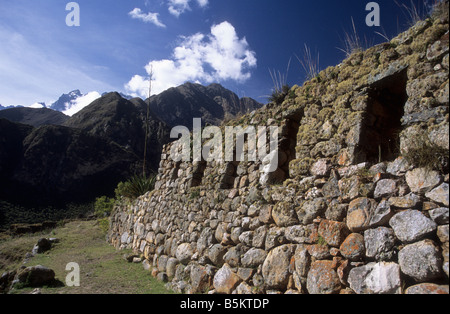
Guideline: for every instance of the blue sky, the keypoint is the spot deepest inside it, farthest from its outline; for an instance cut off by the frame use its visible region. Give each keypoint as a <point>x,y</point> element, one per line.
<point>232,42</point>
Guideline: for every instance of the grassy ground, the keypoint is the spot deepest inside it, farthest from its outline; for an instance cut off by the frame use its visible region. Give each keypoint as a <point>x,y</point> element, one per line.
<point>102,268</point>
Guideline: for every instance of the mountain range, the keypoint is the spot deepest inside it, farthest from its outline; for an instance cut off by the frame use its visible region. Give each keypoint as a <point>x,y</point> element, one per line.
<point>47,157</point>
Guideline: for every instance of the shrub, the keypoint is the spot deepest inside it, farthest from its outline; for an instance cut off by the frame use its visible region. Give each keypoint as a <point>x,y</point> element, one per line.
<point>426,154</point>
<point>103,206</point>
<point>279,95</point>
<point>135,187</point>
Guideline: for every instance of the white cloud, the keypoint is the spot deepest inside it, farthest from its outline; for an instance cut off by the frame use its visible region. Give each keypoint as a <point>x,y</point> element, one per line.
<point>78,104</point>
<point>37,105</point>
<point>200,58</point>
<point>147,18</point>
<point>178,7</point>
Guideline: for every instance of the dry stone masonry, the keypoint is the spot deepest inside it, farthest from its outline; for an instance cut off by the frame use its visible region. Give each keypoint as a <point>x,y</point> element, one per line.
<point>345,212</point>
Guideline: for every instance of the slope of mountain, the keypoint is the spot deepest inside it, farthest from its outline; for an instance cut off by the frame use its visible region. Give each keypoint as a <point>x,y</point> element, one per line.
<point>11,148</point>
<point>213,103</point>
<point>123,122</point>
<point>34,116</point>
<point>56,165</point>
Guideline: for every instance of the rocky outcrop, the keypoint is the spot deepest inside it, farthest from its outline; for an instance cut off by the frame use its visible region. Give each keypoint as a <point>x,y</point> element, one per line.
<point>347,210</point>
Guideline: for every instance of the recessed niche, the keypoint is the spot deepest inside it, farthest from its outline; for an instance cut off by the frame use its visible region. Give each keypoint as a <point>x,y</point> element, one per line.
<point>380,140</point>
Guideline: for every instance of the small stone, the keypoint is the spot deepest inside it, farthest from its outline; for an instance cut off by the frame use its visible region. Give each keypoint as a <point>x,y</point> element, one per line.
<point>440,215</point>
<point>310,209</point>
<point>225,280</point>
<point>301,234</point>
<point>408,201</point>
<point>36,276</point>
<point>421,261</point>
<point>411,225</point>
<point>184,253</point>
<point>323,279</point>
<point>253,258</point>
<point>385,188</point>
<point>216,254</point>
<point>353,247</point>
<point>379,243</point>
<point>284,214</point>
<point>359,213</point>
<point>439,194</point>
<point>334,233</point>
<point>275,269</point>
<point>427,288</point>
<point>321,168</point>
<point>442,233</point>
<point>398,166</point>
<point>422,180</point>
<point>375,278</point>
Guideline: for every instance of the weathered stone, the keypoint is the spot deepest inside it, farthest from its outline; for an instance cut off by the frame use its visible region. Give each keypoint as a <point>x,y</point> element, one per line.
<point>275,237</point>
<point>42,246</point>
<point>375,278</point>
<point>385,188</point>
<point>200,278</point>
<point>442,233</point>
<point>284,214</point>
<point>246,238</point>
<point>244,288</point>
<point>438,49</point>
<point>184,253</point>
<point>171,267</point>
<point>398,166</point>
<point>422,180</point>
<point>427,288</point>
<point>411,225</point>
<point>323,279</point>
<point>259,237</point>
<point>440,194</point>
<point>321,168</point>
<point>408,201</point>
<point>353,247</point>
<point>311,209</point>
<point>379,243</point>
<point>319,251</point>
<point>36,276</point>
<point>162,263</point>
<point>205,240</point>
<point>233,256</point>
<point>421,261</point>
<point>333,232</point>
<point>359,214</point>
<point>216,254</point>
<point>225,280</point>
<point>302,261</point>
<point>440,215</point>
<point>275,269</point>
<point>301,234</point>
<point>253,258</point>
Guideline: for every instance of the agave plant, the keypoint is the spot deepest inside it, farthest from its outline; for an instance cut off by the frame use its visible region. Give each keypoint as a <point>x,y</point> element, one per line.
<point>136,186</point>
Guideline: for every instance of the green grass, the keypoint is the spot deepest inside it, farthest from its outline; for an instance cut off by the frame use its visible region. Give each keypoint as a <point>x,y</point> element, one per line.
<point>103,269</point>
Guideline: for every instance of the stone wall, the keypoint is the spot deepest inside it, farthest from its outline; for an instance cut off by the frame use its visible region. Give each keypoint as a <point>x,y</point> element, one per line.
<point>348,210</point>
